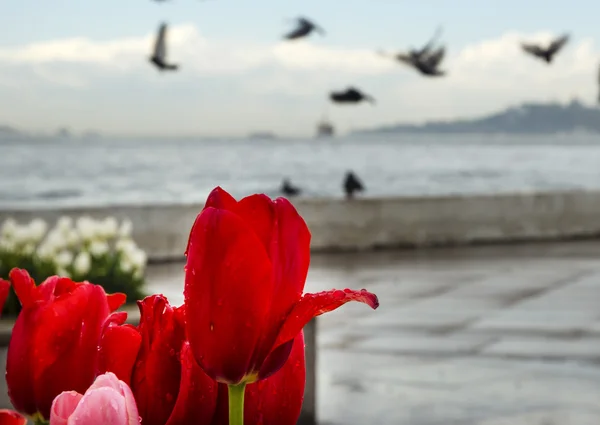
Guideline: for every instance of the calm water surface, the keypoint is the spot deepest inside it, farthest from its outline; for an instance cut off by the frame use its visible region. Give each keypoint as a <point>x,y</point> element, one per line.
<point>79,172</point>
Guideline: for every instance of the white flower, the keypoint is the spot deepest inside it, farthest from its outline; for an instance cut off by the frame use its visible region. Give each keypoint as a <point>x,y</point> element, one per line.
<point>72,237</point>
<point>62,272</point>
<point>138,273</point>
<point>36,230</point>
<point>45,251</point>
<point>125,229</point>
<point>20,235</point>
<point>82,263</point>
<point>64,258</point>
<point>125,246</point>
<point>55,240</point>
<point>138,258</point>
<point>8,227</point>
<point>87,228</point>
<point>109,227</point>
<point>7,244</point>
<point>64,224</point>
<point>126,265</point>
<point>28,248</point>
<point>98,248</point>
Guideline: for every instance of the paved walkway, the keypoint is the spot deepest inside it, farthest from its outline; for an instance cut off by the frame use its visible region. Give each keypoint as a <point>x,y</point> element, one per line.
<point>505,335</point>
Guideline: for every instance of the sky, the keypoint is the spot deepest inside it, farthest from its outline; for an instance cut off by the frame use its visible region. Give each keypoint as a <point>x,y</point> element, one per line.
<point>84,64</point>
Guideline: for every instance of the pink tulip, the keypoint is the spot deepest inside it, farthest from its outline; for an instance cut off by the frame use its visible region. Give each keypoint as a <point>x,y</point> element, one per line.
<point>107,401</point>
<point>10,417</point>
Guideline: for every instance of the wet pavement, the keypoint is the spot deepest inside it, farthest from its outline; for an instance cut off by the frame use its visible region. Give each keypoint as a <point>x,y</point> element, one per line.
<point>502,335</point>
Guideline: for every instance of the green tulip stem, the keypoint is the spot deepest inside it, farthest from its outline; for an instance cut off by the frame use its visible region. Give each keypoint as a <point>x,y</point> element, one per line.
<point>236,403</point>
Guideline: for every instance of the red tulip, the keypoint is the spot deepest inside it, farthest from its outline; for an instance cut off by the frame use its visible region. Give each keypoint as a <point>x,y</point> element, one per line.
<point>10,417</point>
<point>247,263</point>
<point>276,400</point>
<point>54,343</point>
<point>4,290</point>
<point>154,360</point>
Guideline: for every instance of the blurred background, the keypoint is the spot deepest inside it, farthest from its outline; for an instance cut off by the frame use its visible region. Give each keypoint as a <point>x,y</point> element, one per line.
<point>502,146</point>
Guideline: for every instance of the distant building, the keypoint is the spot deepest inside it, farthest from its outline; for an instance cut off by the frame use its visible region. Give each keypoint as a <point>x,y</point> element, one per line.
<point>325,129</point>
<point>262,135</point>
<point>64,133</point>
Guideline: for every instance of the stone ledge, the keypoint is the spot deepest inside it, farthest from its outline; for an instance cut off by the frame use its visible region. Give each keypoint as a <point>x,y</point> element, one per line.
<point>372,223</point>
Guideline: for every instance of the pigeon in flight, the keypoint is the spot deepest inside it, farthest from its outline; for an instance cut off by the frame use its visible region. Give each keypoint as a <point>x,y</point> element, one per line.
<point>546,53</point>
<point>158,57</point>
<point>350,95</point>
<point>424,60</point>
<point>304,28</point>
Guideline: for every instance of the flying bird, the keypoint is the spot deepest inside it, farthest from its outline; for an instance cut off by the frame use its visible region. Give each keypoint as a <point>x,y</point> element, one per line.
<point>350,95</point>
<point>425,60</point>
<point>288,189</point>
<point>420,54</point>
<point>304,28</point>
<point>352,184</point>
<point>546,53</point>
<point>159,54</point>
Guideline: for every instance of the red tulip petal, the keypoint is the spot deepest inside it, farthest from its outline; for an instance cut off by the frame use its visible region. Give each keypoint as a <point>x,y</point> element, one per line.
<point>64,285</point>
<point>294,249</point>
<point>312,305</point>
<point>46,291</point>
<point>220,199</point>
<point>197,399</point>
<point>275,360</point>
<point>273,401</point>
<point>119,347</point>
<point>258,211</point>
<point>10,417</point>
<point>228,290</point>
<point>156,377</point>
<point>66,338</point>
<point>24,286</point>
<point>4,290</point>
<point>278,400</point>
<point>19,374</point>
<point>222,410</point>
<point>289,251</point>
<point>22,348</point>
<point>115,300</point>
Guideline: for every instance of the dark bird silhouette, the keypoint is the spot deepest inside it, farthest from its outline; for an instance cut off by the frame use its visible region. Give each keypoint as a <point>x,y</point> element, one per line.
<point>159,54</point>
<point>546,53</point>
<point>350,95</point>
<point>288,189</point>
<point>425,60</point>
<point>352,184</point>
<point>304,28</point>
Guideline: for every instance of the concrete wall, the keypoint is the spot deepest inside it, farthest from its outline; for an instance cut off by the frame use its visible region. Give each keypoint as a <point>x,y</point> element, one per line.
<point>162,230</point>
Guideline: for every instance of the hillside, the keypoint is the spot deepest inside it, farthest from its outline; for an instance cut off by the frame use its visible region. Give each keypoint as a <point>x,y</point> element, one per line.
<point>529,118</point>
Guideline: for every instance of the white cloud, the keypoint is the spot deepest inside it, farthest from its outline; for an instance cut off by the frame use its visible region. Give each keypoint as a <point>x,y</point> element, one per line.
<point>285,84</point>
<point>197,53</point>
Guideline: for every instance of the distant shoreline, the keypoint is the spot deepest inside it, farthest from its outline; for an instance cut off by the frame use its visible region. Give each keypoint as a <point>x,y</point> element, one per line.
<point>525,119</point>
